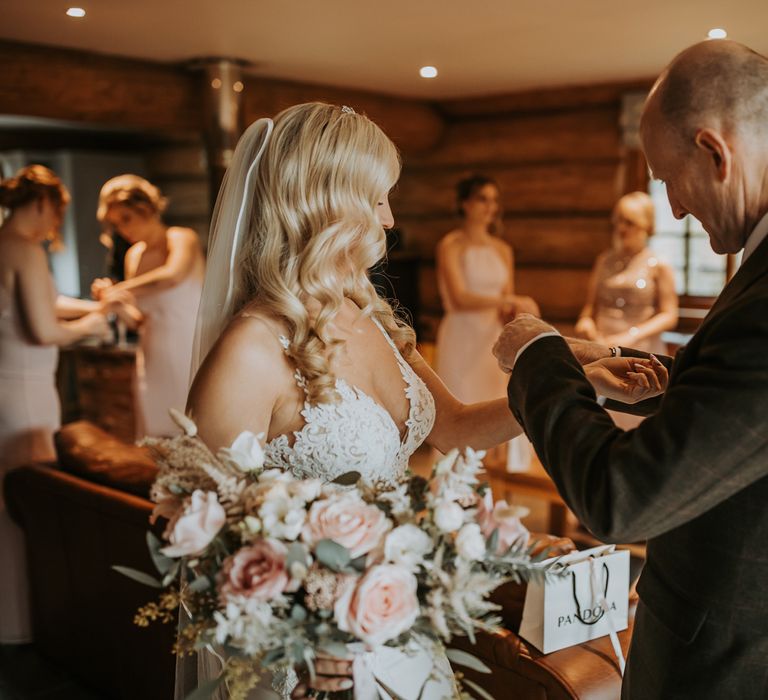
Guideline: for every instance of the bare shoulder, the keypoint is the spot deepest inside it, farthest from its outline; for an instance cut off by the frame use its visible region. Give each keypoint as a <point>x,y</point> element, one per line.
<point>248,347</point>
<point>242,379</point>
<point>452,239</point>
<point>19,253</point>
<point>181,236</point>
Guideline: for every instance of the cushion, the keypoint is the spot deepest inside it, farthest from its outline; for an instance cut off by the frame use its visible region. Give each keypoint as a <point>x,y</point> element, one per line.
<point>89,452</point>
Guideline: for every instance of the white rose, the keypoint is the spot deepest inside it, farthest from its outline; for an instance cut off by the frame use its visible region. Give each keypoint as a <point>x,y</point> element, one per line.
<point>246,451</point>
<point>196,526</point>
<point>470,543</point>
<point>307,489</point>
<point>449,516</point>
<point>406,545</point>
<point>282,518</point>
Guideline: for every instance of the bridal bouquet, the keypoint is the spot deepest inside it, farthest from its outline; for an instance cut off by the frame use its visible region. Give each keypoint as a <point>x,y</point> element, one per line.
<point>272,569</point>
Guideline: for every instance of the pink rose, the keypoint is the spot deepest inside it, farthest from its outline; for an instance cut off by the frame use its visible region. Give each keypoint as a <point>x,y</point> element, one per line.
<point>257,571</point>
<point>381,606</point>
<point>195,528</point>
<point>505,519</point>
<point>347,520</point>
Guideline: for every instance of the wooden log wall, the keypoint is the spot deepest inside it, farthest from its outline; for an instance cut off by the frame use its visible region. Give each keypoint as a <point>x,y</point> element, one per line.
<point>556,154</point>
<point>560,165</point>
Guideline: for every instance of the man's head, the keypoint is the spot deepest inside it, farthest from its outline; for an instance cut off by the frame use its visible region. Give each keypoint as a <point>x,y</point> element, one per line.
<point>705,134</point>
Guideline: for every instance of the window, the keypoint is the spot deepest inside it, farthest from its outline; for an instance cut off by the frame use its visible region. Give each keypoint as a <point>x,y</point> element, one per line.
<point>699,271</point>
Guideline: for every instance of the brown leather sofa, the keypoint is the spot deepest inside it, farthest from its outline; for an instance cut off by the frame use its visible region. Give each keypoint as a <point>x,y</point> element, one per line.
<point>589,671</point>
<point>90,511</point>
<point>81,516</point>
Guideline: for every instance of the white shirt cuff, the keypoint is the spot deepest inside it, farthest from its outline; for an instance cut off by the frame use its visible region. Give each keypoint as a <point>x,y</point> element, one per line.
<point>531,342</point>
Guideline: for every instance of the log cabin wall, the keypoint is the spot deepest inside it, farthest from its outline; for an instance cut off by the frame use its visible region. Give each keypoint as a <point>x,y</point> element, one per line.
<point>560,164</point>
<point>557,155</point>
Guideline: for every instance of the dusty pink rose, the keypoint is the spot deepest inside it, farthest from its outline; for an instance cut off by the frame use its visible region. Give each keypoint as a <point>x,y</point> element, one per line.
<point>381,606</point>
<point>505,519</point>
<point>196,526</point>
<point>257,571</point>
<point>347,520</point>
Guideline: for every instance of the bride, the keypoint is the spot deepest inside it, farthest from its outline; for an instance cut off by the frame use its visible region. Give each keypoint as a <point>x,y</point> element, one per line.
<point>293,341</point>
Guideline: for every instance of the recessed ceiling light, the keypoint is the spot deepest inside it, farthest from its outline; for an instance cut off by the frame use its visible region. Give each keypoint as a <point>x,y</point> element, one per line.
<point>717,33</point>
<point>216,83</point>
<point>428,72</point>
<point>76,12</point>
<point>238,86</point>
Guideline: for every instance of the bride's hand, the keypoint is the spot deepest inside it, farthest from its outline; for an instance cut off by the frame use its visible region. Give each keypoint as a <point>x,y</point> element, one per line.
<point>627,379</point>
<point>332,674</point>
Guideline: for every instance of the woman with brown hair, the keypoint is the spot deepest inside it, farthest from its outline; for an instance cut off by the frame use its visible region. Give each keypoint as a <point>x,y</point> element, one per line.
<point>164,269</point>
<point>476,279</point>
<point>33,203</point>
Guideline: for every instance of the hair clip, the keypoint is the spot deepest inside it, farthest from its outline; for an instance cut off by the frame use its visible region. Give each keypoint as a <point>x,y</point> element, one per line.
<point>347,110</point>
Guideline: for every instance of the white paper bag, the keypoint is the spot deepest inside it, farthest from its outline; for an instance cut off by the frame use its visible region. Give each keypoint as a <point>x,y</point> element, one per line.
<point>589,601</point>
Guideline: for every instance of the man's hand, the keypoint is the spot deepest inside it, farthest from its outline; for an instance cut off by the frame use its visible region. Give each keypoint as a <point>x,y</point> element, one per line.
<point>628,379</point>
<point>587,351</point>
<point>515,335</point>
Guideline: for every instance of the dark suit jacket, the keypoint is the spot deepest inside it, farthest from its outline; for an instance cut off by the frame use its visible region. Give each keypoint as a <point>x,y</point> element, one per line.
<point>692,479</point>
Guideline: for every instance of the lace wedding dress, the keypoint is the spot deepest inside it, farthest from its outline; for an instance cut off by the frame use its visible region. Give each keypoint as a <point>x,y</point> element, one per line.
<point>358,434</point>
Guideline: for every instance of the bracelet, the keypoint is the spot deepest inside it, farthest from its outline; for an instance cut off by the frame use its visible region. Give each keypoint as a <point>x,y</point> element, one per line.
<point>614,351</point>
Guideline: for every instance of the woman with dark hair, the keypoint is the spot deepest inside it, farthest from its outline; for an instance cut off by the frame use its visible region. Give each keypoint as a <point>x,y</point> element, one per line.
<point>475,275</point>
<point>163,269</point>
<point>33,203</point>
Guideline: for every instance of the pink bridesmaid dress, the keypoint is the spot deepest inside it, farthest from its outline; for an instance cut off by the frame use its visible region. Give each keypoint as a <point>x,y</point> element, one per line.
<point>465,340</point>
<point>164,356</point>
<point>29,415</point>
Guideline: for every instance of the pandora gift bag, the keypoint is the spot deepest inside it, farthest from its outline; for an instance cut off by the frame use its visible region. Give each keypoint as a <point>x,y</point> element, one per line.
<point>588,601</point>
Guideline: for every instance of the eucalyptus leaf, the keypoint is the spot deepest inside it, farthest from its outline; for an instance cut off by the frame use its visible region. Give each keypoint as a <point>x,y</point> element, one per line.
<point>162,563</point>
<point>347,479</point>
<point>358,564</point>
<point>492,543</point>
<point>484,694</point>
<point>200,584</point>
<point>297,554</point>
<point>333,555</point>
<point>139,576</point>
<point>171,574</point>
<point>334,648</point>
<point>462,658</point>
<point>273,656</point>
<point>205,691</point>
<point>298,613</point>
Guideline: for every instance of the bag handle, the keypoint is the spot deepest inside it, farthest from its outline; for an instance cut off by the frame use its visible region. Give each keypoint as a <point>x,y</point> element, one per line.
<point>599,617</point>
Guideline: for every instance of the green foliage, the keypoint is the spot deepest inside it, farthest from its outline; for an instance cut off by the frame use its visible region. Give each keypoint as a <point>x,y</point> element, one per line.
<point>333,555</point>
<point>139,576</point>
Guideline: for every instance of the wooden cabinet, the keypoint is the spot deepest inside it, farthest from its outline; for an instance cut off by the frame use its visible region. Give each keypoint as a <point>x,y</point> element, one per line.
<point>97,384</point>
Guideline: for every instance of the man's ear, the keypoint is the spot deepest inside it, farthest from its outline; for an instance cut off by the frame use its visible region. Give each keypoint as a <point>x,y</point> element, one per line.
<point>718,150</point>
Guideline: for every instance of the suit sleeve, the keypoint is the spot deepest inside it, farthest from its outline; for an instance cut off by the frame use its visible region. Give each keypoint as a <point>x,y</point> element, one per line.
<point>707,441</point>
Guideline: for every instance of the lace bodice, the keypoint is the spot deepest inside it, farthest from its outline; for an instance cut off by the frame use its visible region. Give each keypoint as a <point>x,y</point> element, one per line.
<point>357,433</point>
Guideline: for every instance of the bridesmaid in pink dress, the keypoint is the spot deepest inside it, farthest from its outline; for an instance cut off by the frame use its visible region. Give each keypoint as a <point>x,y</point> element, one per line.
<point>30,331</point>
<point>164,270</point>
<point>475,275</point>
<point>631,298</point>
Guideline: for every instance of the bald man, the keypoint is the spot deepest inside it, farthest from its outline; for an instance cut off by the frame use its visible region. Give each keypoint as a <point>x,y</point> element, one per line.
<point>692,479</point>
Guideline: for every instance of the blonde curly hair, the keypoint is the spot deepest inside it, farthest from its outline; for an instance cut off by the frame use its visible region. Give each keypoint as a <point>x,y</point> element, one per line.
<point>314,233</point>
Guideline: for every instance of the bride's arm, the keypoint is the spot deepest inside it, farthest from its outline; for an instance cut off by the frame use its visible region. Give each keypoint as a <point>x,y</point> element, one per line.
<point>478,425</point>
<point>238,385</point>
